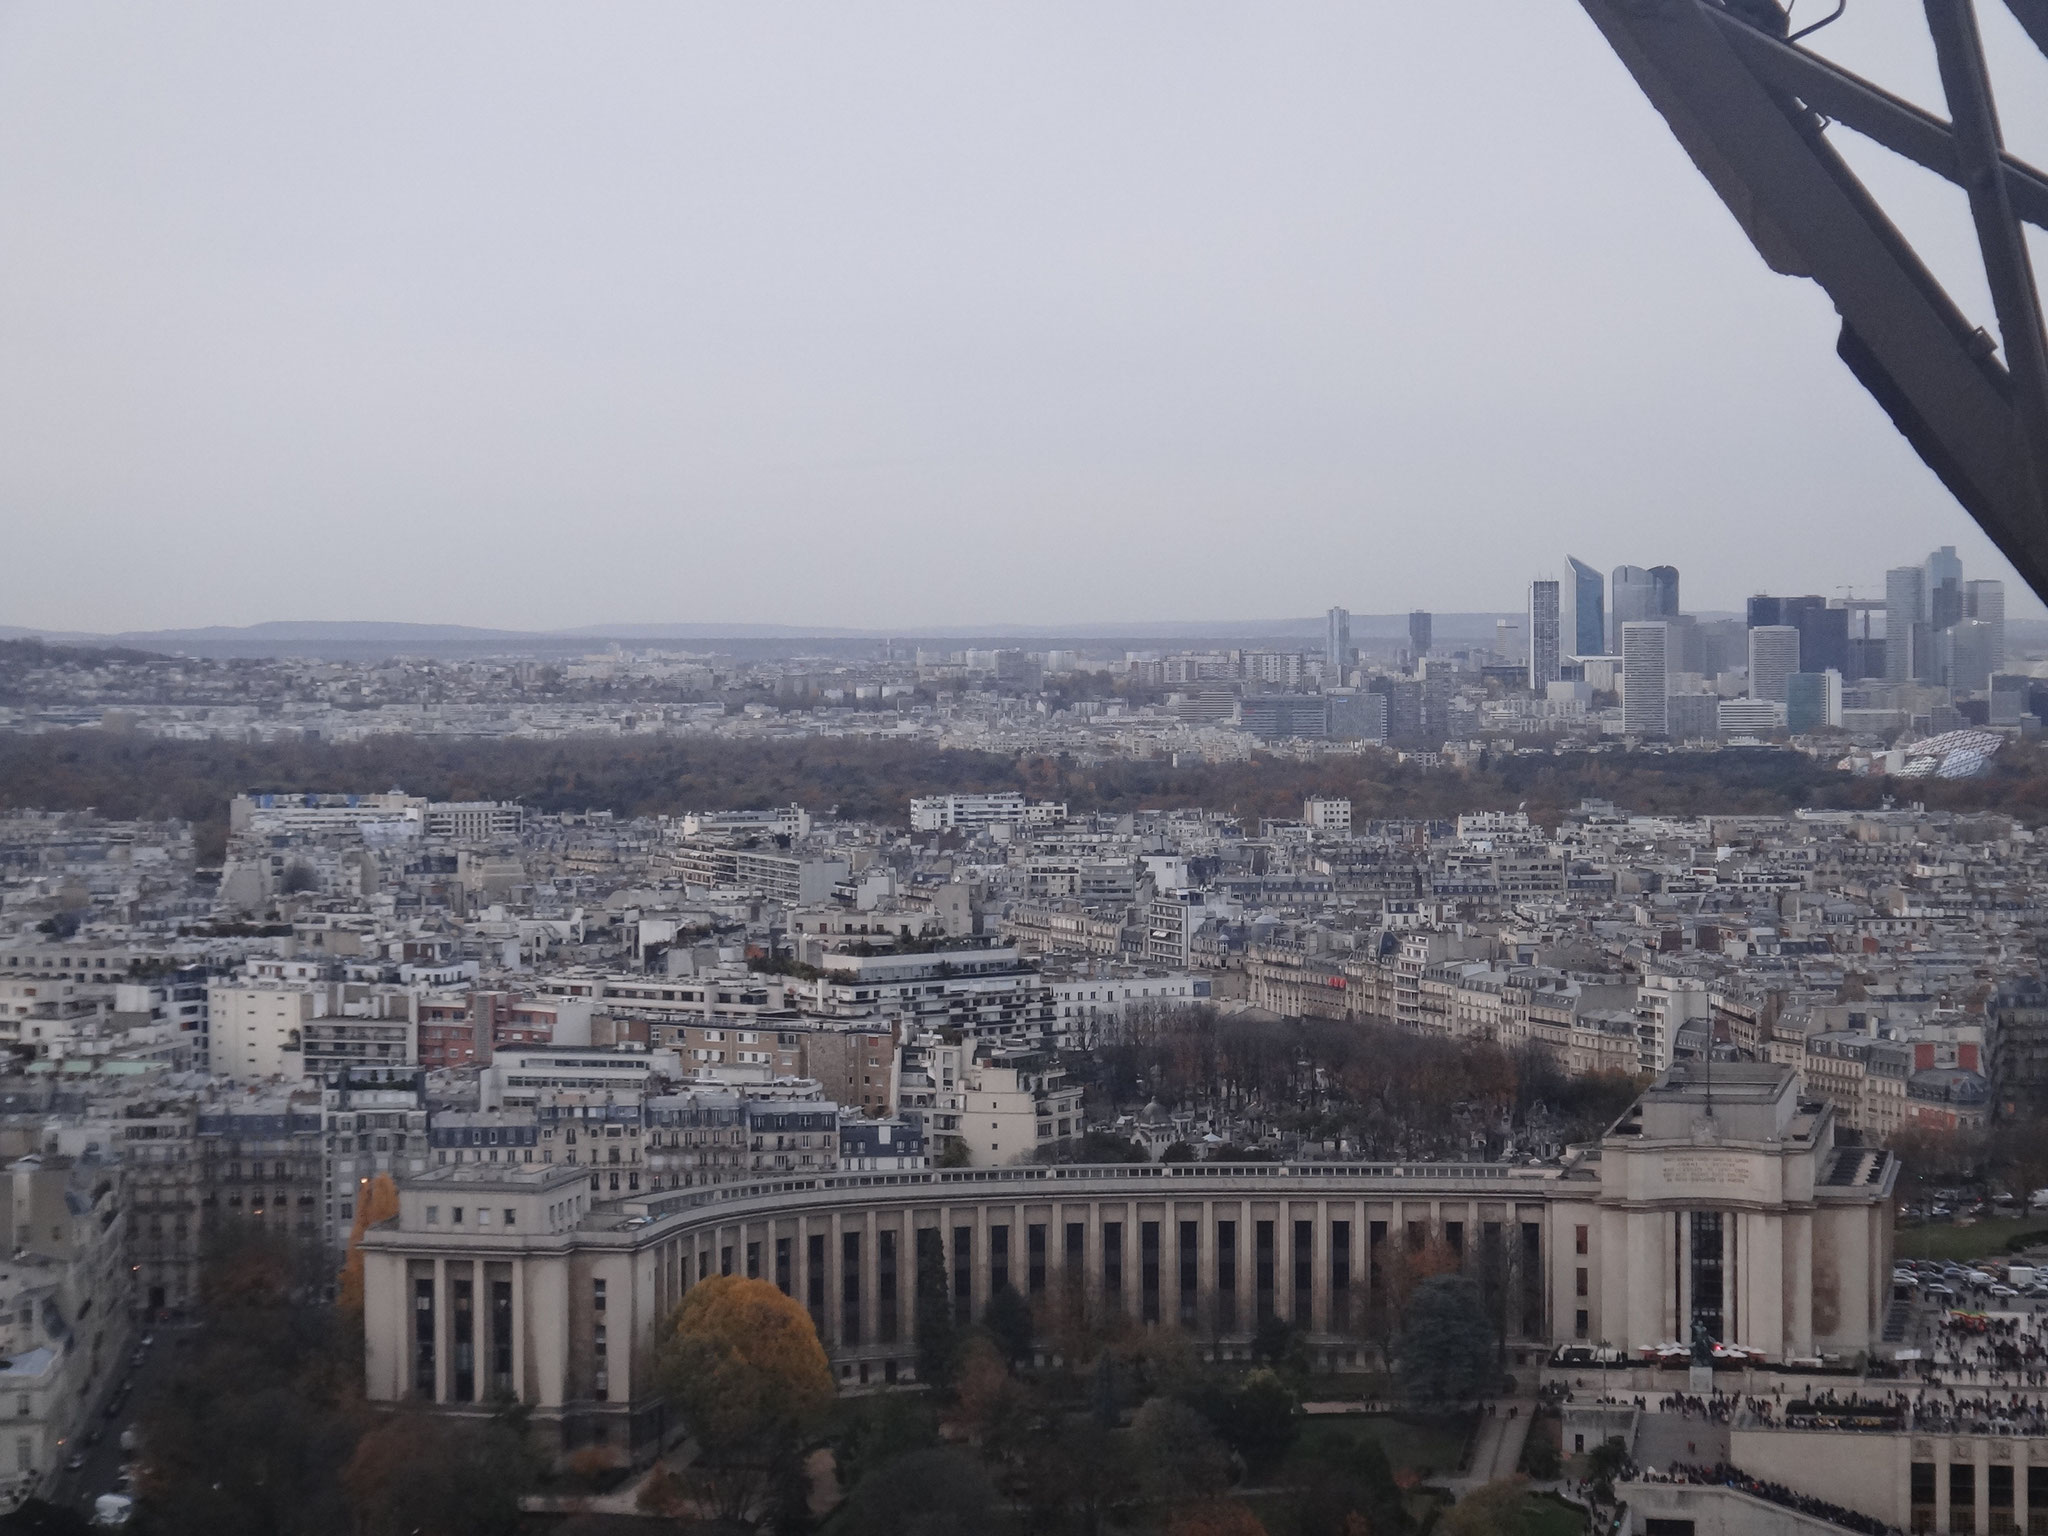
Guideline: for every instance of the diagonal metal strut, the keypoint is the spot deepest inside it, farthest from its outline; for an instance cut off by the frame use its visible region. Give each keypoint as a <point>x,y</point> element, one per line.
<point>1753,111</point>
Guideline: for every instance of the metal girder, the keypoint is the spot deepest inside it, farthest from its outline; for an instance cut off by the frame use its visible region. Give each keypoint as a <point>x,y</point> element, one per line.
<point>2033,15</point>
<point>1753,112</point>
<point>1965,80</point>
<point>1875,113</point>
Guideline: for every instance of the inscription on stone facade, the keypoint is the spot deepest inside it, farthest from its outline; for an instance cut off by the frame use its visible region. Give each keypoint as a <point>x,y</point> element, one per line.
<point>1706,1169</point>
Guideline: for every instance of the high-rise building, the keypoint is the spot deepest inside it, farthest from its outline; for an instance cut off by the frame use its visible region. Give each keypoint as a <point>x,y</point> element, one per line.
<point>1905,607</point>
<point>1865,646</point>
<point>1773,658</point>
<point>1944,600</point>
<point>1543,637</point>
<point>1763,610</point>
<point>1337,642</point>
<point>1666,578</point>
<point>1585,618</point>
<point>1984,601</point>
<point>1813,700</point>
<point>1645,678</point>
<point>1968,653</point>
<point>1507,637</point>
<point>1418,631</point>
<point>1632,596</point>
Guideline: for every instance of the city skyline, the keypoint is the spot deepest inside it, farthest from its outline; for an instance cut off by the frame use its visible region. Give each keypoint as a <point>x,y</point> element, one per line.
<point>701,307</point>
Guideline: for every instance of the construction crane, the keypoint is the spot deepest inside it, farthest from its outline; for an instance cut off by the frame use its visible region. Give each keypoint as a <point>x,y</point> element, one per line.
<point>1753,107</point>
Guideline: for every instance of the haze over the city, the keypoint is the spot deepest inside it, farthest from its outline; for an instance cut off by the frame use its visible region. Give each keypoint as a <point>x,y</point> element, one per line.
<point>907,315</point>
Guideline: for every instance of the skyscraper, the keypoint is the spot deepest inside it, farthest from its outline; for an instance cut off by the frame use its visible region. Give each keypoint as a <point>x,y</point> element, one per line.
<point>1773,658</point>
<point>1985,602</point>
<point>1542,634</point>
<point>1337,642</point>
<point>1418,631</point>
<point>1666,578</point>
<point>1967,647</point>
<point>1645,678</point>
<point>1585,618</point>
<point>1943,604</point>
<point>1763,610</point>
<point>1905,608</point>
<point>1632,593</point>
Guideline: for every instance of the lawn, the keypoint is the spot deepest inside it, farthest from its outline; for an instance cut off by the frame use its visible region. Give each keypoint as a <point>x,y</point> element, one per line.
<point>1951,1241</point>
<point>1545,1515</point>
<point>1426,1447</point>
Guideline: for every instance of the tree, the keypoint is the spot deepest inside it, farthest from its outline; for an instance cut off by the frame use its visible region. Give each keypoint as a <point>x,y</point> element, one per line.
<point>1008,1319</point>
<point>1258,1418</point>
<point>939,1491</point>
<point>1445,1353</point>
<point>1178,1454</point>
<point>743,1365</point>
<point>879,1429</point>
<point>378,1202</point>
<point>938,1336</point>
<point>419,1474</point>
<point>250,1433</point>
<point>1497,1509</point>
<point>1215,1517</point>
<point>989,1401</point>
<point>1346,1487</point>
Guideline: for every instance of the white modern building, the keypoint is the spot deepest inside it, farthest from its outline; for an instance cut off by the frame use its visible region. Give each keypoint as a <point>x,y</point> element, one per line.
<point>1645,678</point>
<point>950,813</point>
<point>1324,815</point>
<point>1773,658</point>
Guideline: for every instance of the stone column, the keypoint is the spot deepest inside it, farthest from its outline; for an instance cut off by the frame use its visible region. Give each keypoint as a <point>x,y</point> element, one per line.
<point>1799,1276</point>
<point>1320,1249</point>
<point>1091,1261</point>
<point>835,1285</point>
<point>444,1330</point>
<point>870,1274</point>
<point>480,1340</point>
<point>519,1328</point>
<point>1205,1268</point>
<point>980,1283</point>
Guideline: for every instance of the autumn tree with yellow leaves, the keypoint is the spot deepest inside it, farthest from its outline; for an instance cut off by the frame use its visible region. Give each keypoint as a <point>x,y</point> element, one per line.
<point>379,1202</point>
<point>743,1365</point>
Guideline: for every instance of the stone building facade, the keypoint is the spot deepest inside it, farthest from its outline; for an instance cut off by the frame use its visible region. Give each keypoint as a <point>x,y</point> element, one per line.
<point>1725,1203</point>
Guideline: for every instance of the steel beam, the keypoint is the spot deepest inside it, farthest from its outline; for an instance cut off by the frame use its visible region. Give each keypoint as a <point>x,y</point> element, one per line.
<point>1875,113</point>
<point>2033,15</point>
<point>1760,139</point>
<point>1966,81</point>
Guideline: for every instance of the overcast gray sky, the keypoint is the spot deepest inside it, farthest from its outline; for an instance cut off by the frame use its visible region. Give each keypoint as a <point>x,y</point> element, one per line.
<point>885,314</point>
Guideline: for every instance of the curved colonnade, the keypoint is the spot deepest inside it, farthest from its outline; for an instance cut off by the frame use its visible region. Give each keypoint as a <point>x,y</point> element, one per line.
<point>496,1283</point>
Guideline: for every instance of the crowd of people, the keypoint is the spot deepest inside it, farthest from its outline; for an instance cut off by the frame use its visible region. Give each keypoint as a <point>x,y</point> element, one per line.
<point>1722,1475</point>
<point>1998,1351</point>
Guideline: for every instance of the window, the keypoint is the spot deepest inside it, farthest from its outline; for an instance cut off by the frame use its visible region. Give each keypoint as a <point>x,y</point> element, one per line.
<point>455,1215</point>
<point>483,1217</point>
<point>597,1295</point>
<point>1579,1239</point>
<point>511,1216</point>
<point>1581,1291</point>
<point>1581,1324</point>
<point>433,1215</point>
